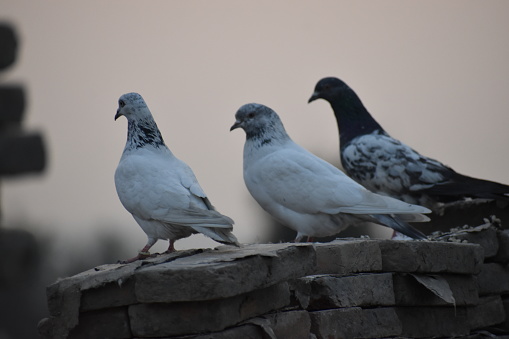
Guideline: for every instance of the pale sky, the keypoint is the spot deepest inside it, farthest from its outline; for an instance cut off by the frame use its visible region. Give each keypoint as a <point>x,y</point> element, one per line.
<point>435,74</point>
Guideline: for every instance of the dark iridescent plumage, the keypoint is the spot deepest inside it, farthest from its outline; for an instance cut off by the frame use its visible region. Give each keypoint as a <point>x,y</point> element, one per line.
<point>386,165</point>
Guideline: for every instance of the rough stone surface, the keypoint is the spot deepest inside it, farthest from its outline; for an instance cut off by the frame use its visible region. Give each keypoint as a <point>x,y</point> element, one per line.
<point>409,292</point>
<point>344,257</point>
<point>493,279</point>
<point>380,322</point>
<point>109,295</point>
<point>247,331</point>
<point>180,318</point>
<point>504,325</point>
<point>111,323</point>
<point>430,257</point>
<point>419,322</point>
<point>355,322</point>
<point>271,291</point>
<point>490,311</point>
<point>325,291</point>
<point>336,323</point>
<point>486,238</point>
<point>291,324</point>
<point>223,273</point>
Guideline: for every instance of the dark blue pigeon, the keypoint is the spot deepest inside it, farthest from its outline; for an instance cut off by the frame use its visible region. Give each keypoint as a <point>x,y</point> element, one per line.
<point>385,165</point>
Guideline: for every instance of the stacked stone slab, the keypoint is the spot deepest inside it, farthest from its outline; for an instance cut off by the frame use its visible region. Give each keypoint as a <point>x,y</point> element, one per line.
<point>493,277</point>
<point>355,288</point>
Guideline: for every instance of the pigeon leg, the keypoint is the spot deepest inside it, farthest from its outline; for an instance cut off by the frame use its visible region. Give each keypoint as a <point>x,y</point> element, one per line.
<point>171,248</point>
<point>298,238</point>
<point>310,239</point>
<point>143,254</point>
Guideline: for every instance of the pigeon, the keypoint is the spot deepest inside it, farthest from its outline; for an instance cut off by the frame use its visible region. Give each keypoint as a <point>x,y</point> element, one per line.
<point>159,190</point>
<point>306,193</point>
<point>387,166</point>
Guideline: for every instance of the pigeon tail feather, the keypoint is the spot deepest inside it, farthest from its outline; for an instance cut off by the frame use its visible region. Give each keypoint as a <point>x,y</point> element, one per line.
<point>398,225</point>
<point>224,236</point>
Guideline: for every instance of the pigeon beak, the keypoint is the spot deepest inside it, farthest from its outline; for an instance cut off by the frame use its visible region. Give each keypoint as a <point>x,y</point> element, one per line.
<point>236,125</point>
<point>118,115</point>
<point>315,96</point>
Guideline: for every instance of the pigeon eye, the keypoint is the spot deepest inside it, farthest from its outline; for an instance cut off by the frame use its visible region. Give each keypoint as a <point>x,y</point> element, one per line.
<point>250,115</point>
<point>121,103</point>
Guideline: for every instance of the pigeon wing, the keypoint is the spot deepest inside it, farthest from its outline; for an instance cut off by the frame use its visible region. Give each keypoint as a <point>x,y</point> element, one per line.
<point>381,163</point>
<point>298,180</point>
<point>161,188</point>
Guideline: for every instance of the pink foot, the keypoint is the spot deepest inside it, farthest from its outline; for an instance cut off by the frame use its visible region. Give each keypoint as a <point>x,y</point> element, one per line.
<point>171,248</point>
<point>141,255</point>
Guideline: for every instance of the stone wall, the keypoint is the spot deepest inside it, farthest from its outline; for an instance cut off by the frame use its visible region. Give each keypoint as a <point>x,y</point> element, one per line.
<point>352,288</point>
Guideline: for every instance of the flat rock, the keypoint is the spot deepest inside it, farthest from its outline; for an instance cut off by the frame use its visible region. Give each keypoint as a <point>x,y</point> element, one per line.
<point>409,292</point>
<point>346,256</point>
<point>419,322</point>
<point>355,322</point>
<point>179,318</point>
<point>430,257</point>
<point>493,279</point>
<point>490,311</point>
<point>223,273</point>
<point>320,292</point>
<point>112,323</point>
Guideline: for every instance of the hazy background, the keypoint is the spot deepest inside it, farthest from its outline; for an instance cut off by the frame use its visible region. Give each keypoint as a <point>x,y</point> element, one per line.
<point>434,73</point>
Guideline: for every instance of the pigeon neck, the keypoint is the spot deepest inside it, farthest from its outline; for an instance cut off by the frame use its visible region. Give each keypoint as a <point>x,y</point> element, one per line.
<point>353,119</point>
<point>143,133</point>
<point>267,136</point>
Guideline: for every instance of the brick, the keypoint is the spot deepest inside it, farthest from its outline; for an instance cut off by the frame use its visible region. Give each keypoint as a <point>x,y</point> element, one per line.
<point>503,247</point>
<point>181,318</point>
<point>493,279</point>
<point>291,324</point>
<point>355,322</point>
<point>224,273</point>
<point>336,323</point>
<point>21,153</point>
<point>504,325</point>
<point>324,291</point>
<point>380,322</point>
<point>109,295</point>
<point>418,322</point>
<point>348,256</point>
<point>485,237</point>
<point>111,323</point>
<point>248,331</point>
<point>489,312</point>
<point>409,292</point>
<point>65,295</point>
<point>430,257</point>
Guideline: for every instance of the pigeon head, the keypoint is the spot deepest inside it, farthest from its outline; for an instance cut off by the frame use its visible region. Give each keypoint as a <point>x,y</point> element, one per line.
<point>132,106</point>
<point>141,128</point>
<point>329,89</point>
<point>259,122</point>
<point>352,117</point>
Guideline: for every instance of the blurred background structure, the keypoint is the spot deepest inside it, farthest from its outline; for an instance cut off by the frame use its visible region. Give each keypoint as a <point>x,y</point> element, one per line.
<point>433,73</point>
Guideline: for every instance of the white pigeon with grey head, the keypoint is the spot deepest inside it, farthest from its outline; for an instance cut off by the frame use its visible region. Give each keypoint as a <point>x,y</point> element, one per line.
<point>306,193</point>
<point>159,190</point>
